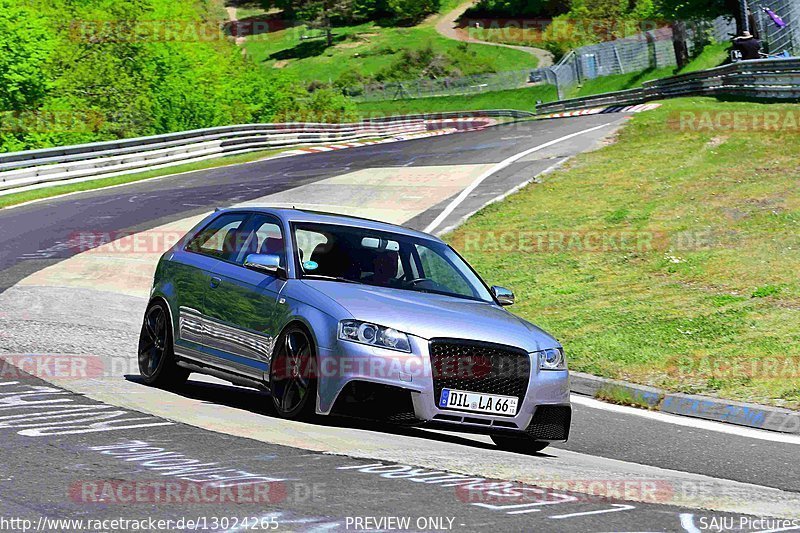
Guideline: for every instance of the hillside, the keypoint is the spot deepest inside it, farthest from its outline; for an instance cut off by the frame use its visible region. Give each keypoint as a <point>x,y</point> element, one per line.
<point>371,51</point>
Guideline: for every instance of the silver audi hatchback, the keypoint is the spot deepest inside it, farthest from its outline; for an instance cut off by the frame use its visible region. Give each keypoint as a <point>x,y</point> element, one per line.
<point>335,314</point>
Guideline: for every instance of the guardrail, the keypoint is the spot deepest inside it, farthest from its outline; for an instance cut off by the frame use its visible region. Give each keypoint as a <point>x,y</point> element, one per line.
<point>763,78</point>
<point>112,158</point>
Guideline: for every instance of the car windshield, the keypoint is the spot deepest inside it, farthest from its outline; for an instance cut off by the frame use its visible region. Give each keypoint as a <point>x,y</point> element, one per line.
<point>360,255</point>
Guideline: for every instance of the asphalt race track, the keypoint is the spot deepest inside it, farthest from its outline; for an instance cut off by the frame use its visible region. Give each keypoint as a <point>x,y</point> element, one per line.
<point>77,447</point>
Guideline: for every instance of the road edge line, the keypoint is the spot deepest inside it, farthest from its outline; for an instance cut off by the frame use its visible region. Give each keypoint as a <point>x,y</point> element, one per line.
<point>448,210</point>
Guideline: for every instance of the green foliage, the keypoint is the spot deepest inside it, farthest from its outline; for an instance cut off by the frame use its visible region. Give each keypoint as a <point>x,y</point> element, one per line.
<point>342,12</point>
<point>323,105</point>
<point>128,68</point>
<point>518,8</point>
<point>25,47</point>
<point>411,11</point>
<point>765,291</point>
<point>696,9</point>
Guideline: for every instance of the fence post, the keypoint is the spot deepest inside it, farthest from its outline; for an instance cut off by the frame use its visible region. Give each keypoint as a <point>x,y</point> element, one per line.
<point>619,60</point>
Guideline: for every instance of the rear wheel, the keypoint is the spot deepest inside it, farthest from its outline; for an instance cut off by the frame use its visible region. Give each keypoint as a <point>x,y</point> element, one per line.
<point>293,383</point>
<point>156,356</point>
<point>519,444</point>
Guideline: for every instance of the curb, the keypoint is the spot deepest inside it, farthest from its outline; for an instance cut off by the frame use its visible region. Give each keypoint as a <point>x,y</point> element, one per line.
<point>638,108</point>
<point>705,407</point>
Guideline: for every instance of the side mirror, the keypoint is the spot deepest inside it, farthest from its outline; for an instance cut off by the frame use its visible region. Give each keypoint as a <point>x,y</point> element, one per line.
<point>266,264</point>
<point>503,296</point>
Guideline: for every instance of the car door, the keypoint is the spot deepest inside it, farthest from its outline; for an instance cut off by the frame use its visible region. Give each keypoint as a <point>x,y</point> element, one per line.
<point>191,272</point>
<point>243,306</point>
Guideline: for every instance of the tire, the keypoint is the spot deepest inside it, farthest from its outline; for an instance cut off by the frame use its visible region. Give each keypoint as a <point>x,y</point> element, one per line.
<point>292,375</point>
<point>521,444</point>
<point>157,364</point>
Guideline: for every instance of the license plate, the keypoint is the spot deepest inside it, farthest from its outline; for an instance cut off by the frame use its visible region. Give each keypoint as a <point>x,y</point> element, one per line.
<point>492,404</point>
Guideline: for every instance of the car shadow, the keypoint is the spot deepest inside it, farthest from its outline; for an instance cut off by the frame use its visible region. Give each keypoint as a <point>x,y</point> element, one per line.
<point>259,402</point>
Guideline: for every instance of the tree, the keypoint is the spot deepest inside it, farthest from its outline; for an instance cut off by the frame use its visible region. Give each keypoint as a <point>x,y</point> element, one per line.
<point>679,43</point>
<point>26,46</point>
<point>700,10</point>
<point>317,13</point>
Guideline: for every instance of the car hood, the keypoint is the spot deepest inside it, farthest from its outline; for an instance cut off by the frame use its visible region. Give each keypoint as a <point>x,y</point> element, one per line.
<point>430,316</point>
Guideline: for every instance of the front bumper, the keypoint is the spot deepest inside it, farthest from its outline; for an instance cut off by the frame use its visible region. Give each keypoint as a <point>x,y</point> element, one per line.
<point>544,413</point>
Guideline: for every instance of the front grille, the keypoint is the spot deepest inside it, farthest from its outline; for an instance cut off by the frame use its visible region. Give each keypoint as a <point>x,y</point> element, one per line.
<point>479,367</point>
<point>550,422</point>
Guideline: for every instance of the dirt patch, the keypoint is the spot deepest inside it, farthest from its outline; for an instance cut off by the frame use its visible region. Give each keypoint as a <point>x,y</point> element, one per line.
<point>349,44</point>
<point>716,141</point>
<point>280,64</point>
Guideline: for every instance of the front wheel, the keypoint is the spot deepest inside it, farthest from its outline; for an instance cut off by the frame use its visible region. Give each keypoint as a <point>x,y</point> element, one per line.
<point>519,444</point>
<point>293,383</point>
<point>156,356</point>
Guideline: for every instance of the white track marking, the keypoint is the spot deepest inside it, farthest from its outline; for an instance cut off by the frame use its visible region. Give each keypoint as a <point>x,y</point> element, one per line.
<point>685,421</point>
<point>497,168</point>
<point>616,507</point>
<point>506,194</point>
<point>687,523</point>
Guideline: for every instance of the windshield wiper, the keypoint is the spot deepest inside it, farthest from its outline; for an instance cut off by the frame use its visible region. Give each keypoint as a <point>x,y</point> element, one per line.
<point>331,278</point>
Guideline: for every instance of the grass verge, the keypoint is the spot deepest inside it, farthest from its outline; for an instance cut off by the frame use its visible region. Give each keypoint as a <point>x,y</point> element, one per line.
<point>369,49</point>
<point>522,99</point>
<point>668,258</point>
<point>623,396</point>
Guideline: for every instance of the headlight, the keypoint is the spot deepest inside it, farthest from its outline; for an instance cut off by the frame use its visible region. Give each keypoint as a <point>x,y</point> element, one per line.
<point>552,359</point>
<point>373,335</point>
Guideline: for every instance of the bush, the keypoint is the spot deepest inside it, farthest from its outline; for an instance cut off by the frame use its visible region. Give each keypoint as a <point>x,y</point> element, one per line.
<point>412,11</point>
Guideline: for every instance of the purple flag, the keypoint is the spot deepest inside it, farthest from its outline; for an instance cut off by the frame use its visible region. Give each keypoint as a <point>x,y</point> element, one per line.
<point>775,18</point>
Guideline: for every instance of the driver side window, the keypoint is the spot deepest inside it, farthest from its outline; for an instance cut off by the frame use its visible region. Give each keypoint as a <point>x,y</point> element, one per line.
<point>263,236</point>
<point>436,269</point>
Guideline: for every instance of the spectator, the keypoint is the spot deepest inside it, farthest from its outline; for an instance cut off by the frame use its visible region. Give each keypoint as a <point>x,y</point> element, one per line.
<point>747,46</point>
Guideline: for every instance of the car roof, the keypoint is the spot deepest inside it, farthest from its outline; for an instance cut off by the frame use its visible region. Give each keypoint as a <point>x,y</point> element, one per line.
<point>321,217</point>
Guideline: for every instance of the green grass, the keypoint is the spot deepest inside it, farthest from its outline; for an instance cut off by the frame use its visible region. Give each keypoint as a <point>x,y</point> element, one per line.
<point>369,49</point>
<point>619,82</point>
<point>624,396</point>
<point>712,56</point>
<point>522,99</point>
<point>58,190</point>
<point>705,297</point>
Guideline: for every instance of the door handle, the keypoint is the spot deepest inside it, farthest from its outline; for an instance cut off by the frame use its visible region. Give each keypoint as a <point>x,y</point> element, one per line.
<point>215,282</point>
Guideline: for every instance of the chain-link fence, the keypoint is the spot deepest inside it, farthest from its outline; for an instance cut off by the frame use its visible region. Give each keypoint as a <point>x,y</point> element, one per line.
<point>775,37</point>
<point>644,51</point>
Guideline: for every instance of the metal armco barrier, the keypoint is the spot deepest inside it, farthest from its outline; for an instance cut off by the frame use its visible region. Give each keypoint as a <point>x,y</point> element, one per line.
<point>765,78</point>
<point>125,156</point>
